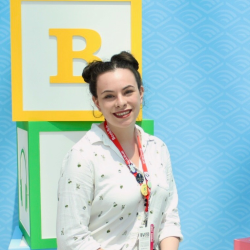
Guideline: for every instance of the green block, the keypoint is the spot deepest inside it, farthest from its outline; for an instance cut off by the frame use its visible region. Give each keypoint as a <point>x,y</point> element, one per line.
<point>41,147</point>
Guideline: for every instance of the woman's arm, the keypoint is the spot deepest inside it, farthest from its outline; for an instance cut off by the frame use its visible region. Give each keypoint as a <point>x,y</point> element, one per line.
<point>170,225</point>
<point>75,195</point>
<point>170,243</point>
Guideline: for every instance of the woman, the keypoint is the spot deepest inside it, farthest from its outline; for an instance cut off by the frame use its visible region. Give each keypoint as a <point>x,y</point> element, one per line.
<point>117,180</point>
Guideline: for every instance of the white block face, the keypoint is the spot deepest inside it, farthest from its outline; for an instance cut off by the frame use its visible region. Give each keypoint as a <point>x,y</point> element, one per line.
<point>39,49</point>
<point>53,148</point>
<point>23,178</point>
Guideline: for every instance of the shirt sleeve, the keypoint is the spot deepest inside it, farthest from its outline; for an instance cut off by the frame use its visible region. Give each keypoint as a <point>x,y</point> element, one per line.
<point>75,195</point>
<point>170,224</point>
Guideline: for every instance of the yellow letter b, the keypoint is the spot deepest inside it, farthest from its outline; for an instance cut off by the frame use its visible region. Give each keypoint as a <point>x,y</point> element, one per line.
<point>65,53</point>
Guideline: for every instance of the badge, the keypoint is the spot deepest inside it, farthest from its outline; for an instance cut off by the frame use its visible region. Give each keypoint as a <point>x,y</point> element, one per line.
<point>144,189</point>
<point>146,238</point>
<point>139,178</point>
<point>147,176</point>
<point>149,184</point>
<point>132,168</point>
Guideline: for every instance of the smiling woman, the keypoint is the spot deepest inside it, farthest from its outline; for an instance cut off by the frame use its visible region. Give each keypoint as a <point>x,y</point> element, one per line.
<point>116,183</point>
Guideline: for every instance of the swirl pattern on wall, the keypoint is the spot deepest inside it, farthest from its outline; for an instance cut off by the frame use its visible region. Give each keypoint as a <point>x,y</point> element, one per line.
<point>196,73</point>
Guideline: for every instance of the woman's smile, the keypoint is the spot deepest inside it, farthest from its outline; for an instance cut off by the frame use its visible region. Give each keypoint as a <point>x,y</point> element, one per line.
<point>122,114</point>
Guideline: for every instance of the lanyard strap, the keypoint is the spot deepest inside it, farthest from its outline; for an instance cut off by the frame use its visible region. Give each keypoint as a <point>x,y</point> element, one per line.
<point>130,165</point>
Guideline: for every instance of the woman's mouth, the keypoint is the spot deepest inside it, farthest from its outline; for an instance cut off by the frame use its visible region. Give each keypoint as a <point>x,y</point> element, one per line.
<point>122,114</point>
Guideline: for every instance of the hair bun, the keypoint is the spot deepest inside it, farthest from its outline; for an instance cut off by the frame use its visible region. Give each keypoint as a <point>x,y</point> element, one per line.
<point>125,58</point>
<point>89,70</point>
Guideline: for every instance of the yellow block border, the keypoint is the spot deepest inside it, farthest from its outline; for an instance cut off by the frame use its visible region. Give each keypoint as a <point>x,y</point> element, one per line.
<point>18,114</point>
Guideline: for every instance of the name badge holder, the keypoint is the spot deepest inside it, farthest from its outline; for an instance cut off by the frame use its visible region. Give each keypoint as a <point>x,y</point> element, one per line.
<point>146,238</point>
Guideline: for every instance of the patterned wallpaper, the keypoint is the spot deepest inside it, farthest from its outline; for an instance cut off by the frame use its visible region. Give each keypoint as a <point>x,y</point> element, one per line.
<point>196,71</point>
<point>8,165</point>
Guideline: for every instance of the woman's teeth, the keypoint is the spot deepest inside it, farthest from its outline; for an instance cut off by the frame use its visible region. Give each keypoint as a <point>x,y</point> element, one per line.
<point>123,113</point>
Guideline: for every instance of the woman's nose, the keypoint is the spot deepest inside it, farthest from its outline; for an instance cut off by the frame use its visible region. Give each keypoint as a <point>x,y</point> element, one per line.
<point>120,102</point>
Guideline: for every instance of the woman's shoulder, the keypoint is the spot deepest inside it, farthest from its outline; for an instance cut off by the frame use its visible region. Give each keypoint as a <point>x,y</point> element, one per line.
<point>151,139</point>
<point>91,137</point>
<point>82,151</point>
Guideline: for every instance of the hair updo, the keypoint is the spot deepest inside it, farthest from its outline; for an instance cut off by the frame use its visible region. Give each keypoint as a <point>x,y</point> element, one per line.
<point>122,60</point>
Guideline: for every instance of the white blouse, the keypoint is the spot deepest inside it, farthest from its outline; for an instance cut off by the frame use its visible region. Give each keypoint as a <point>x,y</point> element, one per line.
<point>99,200</point>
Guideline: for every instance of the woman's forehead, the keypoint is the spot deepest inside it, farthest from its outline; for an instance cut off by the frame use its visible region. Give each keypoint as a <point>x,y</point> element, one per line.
<point>117,78</point>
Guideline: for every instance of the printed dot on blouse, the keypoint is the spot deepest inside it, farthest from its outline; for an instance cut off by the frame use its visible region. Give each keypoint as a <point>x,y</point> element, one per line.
<point>79,165</point>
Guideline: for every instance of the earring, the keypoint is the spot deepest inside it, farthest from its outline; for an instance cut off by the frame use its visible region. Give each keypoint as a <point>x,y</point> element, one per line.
<point>93,111</point>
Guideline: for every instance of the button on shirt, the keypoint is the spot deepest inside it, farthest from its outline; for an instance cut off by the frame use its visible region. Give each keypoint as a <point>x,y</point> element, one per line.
<point>99,200</point>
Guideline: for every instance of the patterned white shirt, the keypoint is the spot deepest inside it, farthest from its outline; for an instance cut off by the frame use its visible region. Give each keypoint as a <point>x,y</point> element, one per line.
<point>99,200</point>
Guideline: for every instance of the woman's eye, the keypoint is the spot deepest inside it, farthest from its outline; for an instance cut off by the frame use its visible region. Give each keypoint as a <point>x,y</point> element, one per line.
<point>108,96</point>
<point>128,92</point>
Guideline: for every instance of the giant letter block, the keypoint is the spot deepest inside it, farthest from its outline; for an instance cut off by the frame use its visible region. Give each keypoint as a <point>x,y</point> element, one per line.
<point>41,148</point>
<point>53,40</point>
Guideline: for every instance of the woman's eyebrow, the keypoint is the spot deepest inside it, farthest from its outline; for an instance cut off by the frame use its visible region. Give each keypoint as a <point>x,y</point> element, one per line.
<point>106,91</point>
<point>128,87</point>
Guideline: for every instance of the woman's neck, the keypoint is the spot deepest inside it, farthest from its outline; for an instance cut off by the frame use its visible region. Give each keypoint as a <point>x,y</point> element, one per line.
<point>123,135</point>
<point>127,139</point>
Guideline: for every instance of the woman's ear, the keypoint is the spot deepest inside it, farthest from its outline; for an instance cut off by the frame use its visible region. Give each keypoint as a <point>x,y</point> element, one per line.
<point>95,100</point>
<point>141,93</point>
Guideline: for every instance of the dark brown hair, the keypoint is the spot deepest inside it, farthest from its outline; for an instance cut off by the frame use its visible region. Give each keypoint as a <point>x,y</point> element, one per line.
<point>122,60</point>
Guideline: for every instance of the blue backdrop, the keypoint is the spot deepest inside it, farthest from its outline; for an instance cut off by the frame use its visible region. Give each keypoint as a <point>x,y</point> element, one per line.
<point>196,72</point>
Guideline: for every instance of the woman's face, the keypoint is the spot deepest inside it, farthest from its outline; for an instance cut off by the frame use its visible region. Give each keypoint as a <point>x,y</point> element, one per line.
<point>118,97</point>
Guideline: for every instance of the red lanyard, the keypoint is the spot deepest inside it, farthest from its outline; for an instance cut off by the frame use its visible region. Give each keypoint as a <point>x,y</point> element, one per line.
<point>145,188</point>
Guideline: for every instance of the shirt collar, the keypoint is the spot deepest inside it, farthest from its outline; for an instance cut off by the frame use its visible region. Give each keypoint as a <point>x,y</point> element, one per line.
<point>96,134</point>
